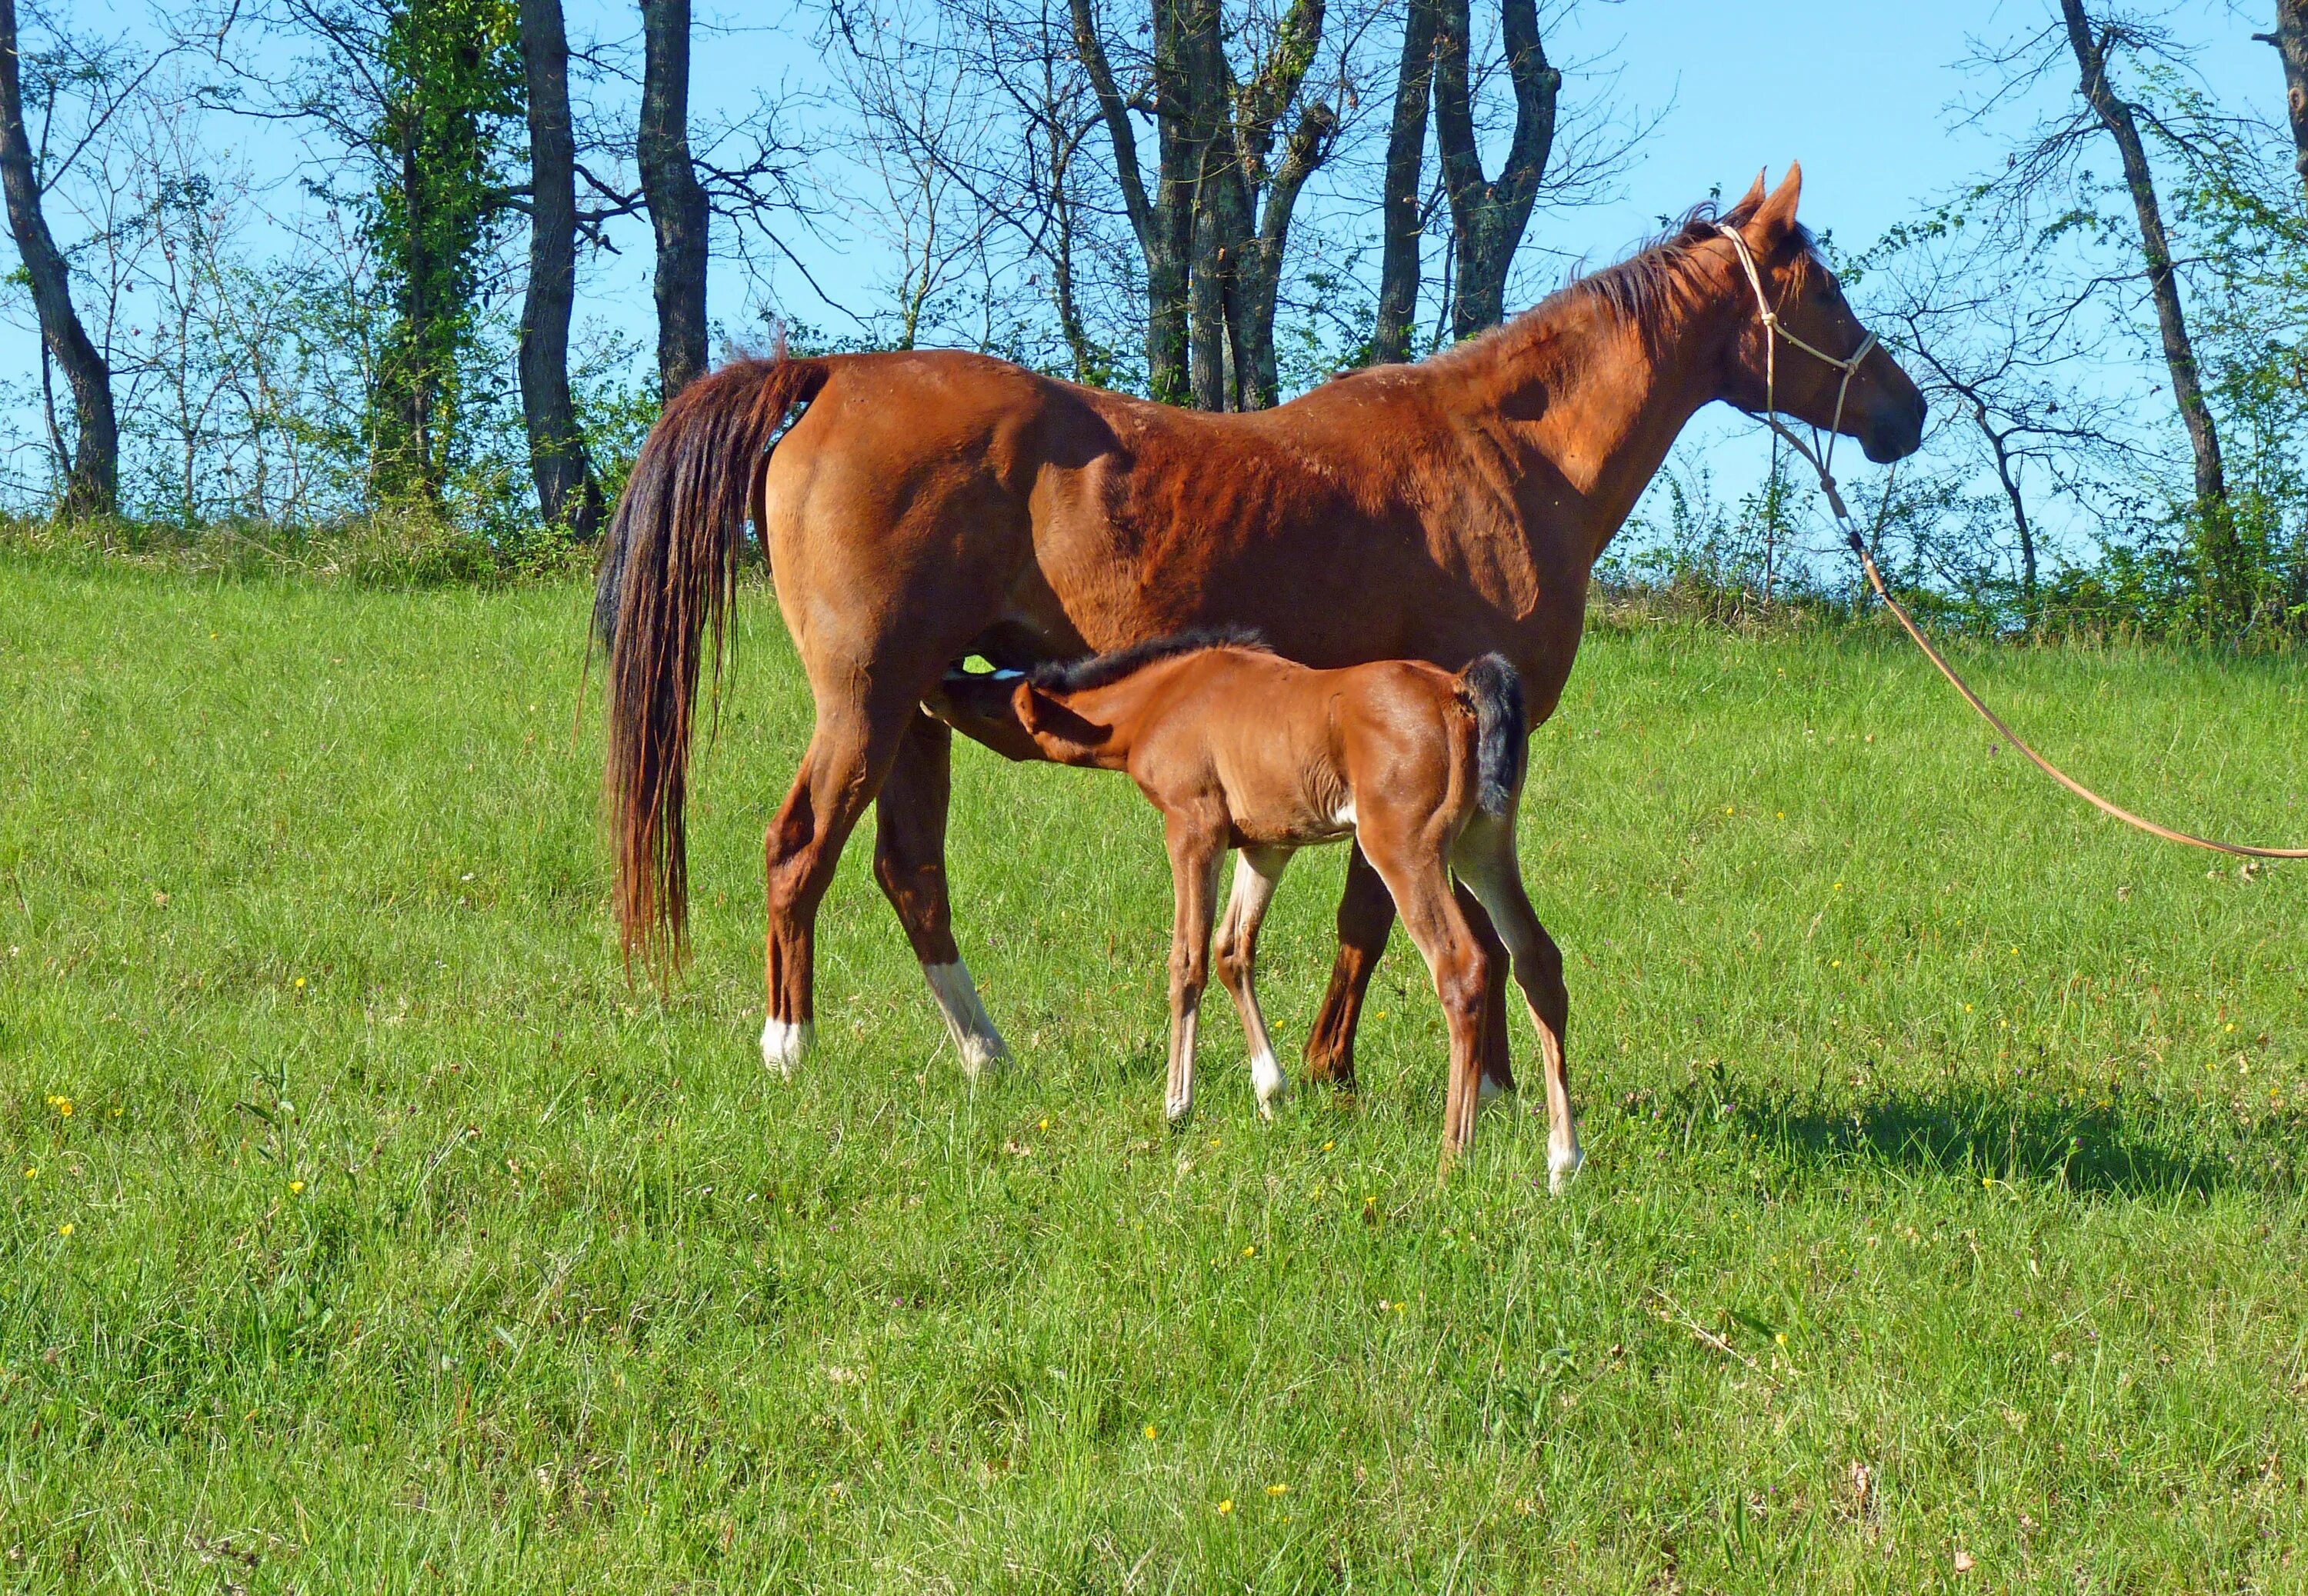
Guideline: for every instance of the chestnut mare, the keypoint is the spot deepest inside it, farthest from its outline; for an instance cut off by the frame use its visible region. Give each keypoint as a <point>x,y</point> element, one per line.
<point>924,507</point>
<point>1241,749</point>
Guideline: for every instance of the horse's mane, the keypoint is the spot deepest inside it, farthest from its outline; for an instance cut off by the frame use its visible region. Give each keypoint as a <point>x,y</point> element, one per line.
<point>1103,670</point>
<point>1650,285</point>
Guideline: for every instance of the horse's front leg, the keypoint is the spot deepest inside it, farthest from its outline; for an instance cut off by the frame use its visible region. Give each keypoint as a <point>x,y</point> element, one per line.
<point>1365,919</point>
<point>910,862</point>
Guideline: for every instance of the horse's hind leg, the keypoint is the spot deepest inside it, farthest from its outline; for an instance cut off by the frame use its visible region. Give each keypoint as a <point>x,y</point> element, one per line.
<point>1256,875</point>
<point>910,862</point>
<point>1365,917</point>
<point>848,753</point>
<point>1486,862</point>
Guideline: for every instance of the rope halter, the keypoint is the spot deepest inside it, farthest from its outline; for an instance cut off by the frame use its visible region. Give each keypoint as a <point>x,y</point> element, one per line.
<point>1774,331</point>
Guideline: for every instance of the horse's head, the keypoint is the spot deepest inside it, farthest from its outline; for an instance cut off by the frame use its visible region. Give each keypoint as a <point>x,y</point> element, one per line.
<point>1880,406</point>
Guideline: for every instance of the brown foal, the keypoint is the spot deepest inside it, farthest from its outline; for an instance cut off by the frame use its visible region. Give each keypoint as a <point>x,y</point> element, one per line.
<point>1240,748</point>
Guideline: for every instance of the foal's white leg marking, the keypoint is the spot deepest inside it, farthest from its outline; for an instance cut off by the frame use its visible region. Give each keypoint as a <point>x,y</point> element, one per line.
<point>1256,873</point>
<point>783,1045</point>
<point>975,1038</point>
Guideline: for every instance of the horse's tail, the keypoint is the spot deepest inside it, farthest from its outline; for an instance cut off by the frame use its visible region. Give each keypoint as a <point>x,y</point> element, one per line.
<point>1491,690</point>
<point>666,570</point>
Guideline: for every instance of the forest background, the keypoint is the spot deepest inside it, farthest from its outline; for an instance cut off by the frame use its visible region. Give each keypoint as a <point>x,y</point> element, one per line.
<point>396,287</point>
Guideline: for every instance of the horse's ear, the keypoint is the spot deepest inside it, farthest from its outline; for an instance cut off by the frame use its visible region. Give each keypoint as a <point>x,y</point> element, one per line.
<point>1776,217</point>
<point>1754,194</point>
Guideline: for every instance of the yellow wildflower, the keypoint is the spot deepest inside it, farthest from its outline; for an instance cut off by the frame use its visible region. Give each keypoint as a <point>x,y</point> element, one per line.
<point>295,1188</point>
<point>1151,1432</point>
<point>1278,1490</point>
<point>1226,1506</point>
<point>63,1105</point>
<point>64,1229</point>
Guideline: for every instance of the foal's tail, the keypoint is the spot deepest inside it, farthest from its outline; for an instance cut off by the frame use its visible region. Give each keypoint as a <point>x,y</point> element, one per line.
<point>1492,690</point>
<point>667,569</point>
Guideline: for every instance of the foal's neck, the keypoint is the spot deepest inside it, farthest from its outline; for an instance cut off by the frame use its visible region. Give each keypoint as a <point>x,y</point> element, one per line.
<point>1591,396</point>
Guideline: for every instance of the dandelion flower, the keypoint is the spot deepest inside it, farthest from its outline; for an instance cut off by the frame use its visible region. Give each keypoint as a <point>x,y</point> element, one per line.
<point>1250,1252</point>
<point>1781,1338</point>
<point>31,1172</point>
<point>1328,1145</point>
<point>1042,1125</point>
<point>64,1229</point>
<point>300,981</point>
<point>1151,1432</point>
<point>295,1188</point>
<point>1226,1506</point>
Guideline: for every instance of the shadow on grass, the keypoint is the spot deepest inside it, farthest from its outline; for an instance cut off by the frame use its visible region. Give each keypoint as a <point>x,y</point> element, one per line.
<point>2118,1145</point>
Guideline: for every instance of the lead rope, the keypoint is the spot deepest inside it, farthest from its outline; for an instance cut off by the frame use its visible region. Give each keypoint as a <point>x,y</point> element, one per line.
<point>1820,462</point>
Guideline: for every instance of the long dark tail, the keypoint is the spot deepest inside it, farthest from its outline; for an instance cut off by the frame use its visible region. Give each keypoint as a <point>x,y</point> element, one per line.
<point>666,570</point>
<point>1492,690</point>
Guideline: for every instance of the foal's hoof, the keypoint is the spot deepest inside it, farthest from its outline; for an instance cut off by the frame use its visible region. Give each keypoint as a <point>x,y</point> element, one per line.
<point>1562,1169</point>
<point>1180,1115</point>
<point>784,1045</point>
<point>1266,1079</point>
<point>1490,1088</point>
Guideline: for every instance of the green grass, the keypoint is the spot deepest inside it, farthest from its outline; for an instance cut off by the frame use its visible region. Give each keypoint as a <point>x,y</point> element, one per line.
<point>1936,1129</point>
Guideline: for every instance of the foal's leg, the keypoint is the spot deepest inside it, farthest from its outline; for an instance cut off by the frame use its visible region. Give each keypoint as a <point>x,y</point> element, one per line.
<point>910,862</point>
<point>1197,850</point>
<point>1487,863</point>
<point>1365,916</point>
<point>1416,874</point>
<point>1256,873</point>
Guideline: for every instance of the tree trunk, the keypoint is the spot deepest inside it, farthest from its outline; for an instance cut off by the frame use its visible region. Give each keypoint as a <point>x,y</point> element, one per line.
<point>2291,41</point>
<point>1164,223</point>
<point>1260,198</point>
<point>1405,162</point>
<point>566,493</point>
<point>677,207</point>
<point>92,475</point>
<point>2116,115</point>
<point>2222,555</point>
<point>1488,218</point>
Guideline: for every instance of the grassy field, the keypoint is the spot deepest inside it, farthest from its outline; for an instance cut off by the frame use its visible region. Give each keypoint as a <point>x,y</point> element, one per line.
<point>1943,1225</point>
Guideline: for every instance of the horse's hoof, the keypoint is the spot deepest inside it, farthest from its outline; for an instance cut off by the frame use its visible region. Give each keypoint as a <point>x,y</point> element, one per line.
<point>1562,1169</point>
<point>784,1045</point>
<point>1266,1079</point>
<point>1490,1088</point>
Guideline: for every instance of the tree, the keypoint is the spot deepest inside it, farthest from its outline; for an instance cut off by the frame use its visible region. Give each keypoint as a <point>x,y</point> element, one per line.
<point>1215,229</point>
<point>452,76</point>
<point>679,211</point>
<point>1403,219</point>
<point>566,491</point>
<point>2291,41</point>
<point>91,463</point>
<point>1489,216</point>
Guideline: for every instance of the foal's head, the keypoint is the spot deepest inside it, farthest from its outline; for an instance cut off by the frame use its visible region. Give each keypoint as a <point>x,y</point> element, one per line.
<point>1881,406</point>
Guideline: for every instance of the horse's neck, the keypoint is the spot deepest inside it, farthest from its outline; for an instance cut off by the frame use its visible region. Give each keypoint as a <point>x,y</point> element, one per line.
<point>1585,398</point>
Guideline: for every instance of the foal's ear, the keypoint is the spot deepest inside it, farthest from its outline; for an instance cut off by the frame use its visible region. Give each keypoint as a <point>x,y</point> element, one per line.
<point>1755,193</point>
<point>1776,217</point>
<point>1062,735</point>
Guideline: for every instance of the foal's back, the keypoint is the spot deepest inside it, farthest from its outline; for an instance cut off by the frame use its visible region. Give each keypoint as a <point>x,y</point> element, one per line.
<point>1297,755</point>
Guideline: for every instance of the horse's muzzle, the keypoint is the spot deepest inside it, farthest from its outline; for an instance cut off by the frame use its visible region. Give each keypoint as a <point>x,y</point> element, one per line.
<point>1895,432</point>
